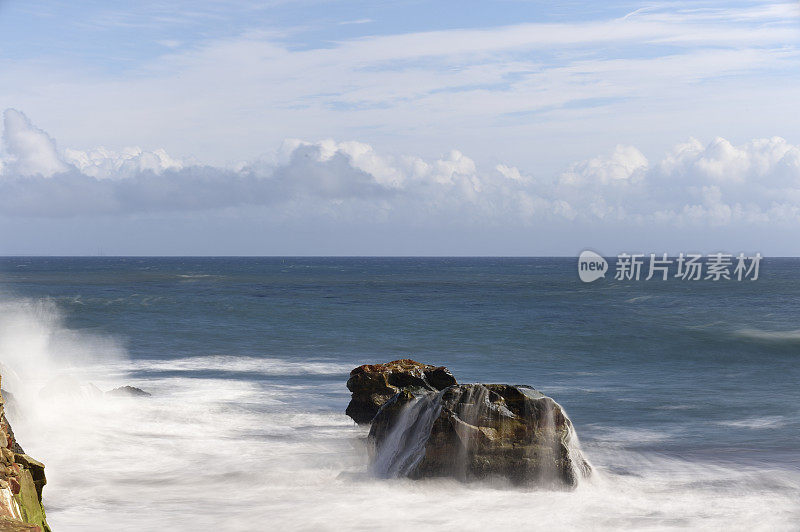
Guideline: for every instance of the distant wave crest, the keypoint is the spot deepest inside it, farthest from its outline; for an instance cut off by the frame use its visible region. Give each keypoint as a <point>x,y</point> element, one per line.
<point>264,366</point>
<point>770,336</point>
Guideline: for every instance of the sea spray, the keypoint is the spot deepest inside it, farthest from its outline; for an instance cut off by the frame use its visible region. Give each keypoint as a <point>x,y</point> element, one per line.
<point>202,453</point>
<point>36,346</point>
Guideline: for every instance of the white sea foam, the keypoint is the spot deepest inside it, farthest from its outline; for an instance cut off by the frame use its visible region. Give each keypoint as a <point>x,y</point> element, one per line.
<point>263,366</point>
<point>773,336</point>
<point>614,436</point>
<point>638,298</point>
<point>756,422</point>
<point>227,454</point>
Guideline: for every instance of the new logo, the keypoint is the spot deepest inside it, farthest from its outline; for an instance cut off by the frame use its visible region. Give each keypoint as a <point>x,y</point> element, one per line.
<point>591,266</point>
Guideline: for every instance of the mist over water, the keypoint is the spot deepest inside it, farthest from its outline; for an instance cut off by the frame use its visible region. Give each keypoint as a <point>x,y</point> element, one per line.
<point>688,421</point>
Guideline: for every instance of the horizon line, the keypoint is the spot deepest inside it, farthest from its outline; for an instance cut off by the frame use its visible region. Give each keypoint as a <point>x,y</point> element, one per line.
<point>341,256</point>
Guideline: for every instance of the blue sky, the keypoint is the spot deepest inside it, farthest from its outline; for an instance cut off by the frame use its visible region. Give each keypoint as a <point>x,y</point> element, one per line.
<point>405,127</point>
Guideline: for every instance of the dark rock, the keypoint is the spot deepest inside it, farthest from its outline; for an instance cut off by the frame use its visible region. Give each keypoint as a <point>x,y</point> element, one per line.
<point>389,412</point>
<point>374,384</point>
<point>128,391</point>
<point>476,431</point>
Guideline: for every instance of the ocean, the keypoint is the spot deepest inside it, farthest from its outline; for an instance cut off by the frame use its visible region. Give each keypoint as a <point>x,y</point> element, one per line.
<point>684,394</point>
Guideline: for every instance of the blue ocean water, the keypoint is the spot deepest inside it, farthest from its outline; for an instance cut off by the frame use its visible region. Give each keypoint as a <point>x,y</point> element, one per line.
<point>675,373</point>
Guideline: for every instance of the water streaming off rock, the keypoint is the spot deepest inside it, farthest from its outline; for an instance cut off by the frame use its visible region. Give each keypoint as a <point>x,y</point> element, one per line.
<point>399,453</point>
<point>476,431</point>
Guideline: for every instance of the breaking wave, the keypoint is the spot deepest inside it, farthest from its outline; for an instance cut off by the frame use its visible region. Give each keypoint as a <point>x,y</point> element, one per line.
<point>206,453</point>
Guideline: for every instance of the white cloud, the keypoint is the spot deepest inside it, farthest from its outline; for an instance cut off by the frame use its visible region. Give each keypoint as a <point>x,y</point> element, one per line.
<point>716,184</point>
<point>103,163</point>
<point>31,151</point>
<point>357,21</point>
<point>527,87</point>
<point>625,164</point>
<point>773,158</point>
<point>510,172</point>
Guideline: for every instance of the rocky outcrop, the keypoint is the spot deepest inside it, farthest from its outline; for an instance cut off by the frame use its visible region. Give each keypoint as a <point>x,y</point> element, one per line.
<point>476,431</point>
<point>21,481</point>
<point>374,384</point>
<point>128,391</point>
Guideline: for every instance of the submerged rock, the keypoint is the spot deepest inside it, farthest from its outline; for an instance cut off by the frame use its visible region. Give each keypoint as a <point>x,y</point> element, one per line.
<point>374,384</point>
<point>128,391</point>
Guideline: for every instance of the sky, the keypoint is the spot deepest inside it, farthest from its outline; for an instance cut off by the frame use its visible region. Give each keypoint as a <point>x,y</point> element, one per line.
<point>314,127</point>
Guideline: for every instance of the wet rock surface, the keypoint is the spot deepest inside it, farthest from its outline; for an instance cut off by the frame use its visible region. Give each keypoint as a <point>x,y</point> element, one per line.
<point>374,384</point>
<point>21,482</point>
<point>473,432</point>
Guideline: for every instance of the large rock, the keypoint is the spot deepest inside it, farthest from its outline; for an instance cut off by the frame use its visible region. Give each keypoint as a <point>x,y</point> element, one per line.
<point>21,482</point>
<point>374,384</point>
<point>477,431</point>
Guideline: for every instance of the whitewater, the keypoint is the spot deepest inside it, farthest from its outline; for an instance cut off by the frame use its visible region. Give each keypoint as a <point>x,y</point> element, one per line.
<point>240,436</point>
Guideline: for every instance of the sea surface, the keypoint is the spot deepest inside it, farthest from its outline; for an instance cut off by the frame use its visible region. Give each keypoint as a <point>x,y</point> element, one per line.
<point>684,394</point>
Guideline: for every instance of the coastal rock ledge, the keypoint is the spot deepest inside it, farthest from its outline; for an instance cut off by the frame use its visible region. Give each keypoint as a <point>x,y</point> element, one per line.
<point>466,431</point>
<point>21,482</point>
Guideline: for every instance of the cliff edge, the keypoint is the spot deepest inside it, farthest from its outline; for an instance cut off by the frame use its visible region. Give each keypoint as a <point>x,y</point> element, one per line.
<point>21,482</point>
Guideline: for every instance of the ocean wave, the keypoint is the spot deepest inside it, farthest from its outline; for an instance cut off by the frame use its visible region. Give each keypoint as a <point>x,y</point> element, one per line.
<point>244,364</point>
<point>638,298</point>
<point>766,422</point>
<point>273,466</point>
<point>791,336</point>
<point>627,436</point>
<point>189,277</point>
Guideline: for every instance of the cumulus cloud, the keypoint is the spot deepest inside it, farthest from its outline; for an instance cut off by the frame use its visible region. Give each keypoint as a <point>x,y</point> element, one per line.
<point>715,184</point>
<point>718,183</point>
<point>31,150</point>
<point>103,163</point>
<point>625,164</point>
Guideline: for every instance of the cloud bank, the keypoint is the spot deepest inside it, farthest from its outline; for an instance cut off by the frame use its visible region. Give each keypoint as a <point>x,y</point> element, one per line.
<point>694,184</point>
<point>541,87</point>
